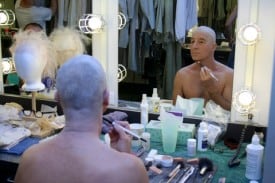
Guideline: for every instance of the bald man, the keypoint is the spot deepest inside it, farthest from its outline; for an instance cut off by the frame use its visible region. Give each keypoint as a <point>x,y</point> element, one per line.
<point>205,78</point>
<point>77,154</point>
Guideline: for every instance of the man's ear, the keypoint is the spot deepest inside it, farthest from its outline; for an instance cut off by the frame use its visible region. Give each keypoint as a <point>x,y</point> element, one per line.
<point>214,46</point>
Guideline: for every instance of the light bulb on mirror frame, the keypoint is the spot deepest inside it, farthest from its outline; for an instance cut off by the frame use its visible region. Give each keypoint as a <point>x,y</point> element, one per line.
<point>7,17</point>
<point>122,72</point>
<point>91,23</point>
<point>122,20</point>
<point>244,101</point>
<point>249,34</point>
<point>7,66</point>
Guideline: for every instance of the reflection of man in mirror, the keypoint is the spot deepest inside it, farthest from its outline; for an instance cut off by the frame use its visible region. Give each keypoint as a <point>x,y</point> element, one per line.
<point>27,11</point>
<point>206,78</point>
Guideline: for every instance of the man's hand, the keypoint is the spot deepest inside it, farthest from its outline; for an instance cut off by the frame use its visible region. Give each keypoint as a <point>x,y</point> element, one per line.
<point>119,139</point>
<point>209,80</point>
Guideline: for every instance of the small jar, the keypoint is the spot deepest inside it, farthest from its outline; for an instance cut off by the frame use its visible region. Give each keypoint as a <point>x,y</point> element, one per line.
<point>191,147</point>
<point>146,136</point>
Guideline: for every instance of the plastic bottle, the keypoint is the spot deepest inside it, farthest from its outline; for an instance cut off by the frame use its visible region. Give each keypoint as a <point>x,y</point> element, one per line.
<point>155,100</point>
<point>191,147</point>
<point>144,110</point>
<point>202,136</point>
<point>259,132</point>
<point>254,159</point>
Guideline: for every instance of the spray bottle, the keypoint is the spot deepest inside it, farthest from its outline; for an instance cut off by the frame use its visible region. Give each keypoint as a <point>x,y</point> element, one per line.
<point>144,110</point>
<point>155,100</point>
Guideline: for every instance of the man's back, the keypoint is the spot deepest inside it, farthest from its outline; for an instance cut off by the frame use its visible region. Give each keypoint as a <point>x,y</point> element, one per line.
<point>79,158</point>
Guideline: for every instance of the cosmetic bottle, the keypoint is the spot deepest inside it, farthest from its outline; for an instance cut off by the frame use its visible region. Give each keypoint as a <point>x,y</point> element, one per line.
<point>259,132</point>
<point>254,158</point>
<point>191,147</point>
<point>202,137</point>
<point>144,110</point>
<point>155,100</point>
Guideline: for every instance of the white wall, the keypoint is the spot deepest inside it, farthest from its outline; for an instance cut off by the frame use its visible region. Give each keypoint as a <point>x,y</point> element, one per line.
<point>262,13</point>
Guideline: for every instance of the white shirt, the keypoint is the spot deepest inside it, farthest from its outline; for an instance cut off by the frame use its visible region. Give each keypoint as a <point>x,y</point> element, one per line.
<point>32,15</point>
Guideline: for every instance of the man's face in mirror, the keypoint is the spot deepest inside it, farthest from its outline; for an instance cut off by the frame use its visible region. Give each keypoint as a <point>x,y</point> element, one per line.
<point>202,46</point>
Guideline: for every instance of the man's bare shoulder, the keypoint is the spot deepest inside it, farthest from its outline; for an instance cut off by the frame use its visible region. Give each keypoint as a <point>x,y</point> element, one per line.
<point>225,69</point>
<point>187,69</point>
<point>135,168</point>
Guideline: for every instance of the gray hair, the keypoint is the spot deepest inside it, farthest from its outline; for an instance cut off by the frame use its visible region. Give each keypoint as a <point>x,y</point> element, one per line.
<point>81,83</point>
<point>207,30</point>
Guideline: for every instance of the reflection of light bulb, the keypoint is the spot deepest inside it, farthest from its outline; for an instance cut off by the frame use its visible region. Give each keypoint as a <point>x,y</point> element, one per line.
<point>6,67</point>
<point>250,33</point>
<point>95,23</point>
<point>245,98</point>
<point>3,18</point>
<point>244,101</point>
<point>122,72</point>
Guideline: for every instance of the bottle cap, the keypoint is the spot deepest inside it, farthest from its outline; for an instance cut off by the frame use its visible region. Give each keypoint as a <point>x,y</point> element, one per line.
<point>144,96</point>
<point>255,139</point>
<point>155,93</point>
<point>203,125</point>
<point>191,141</point>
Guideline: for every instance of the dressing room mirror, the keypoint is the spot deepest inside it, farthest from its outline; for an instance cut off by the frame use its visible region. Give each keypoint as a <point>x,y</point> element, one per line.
<point>146,83</point>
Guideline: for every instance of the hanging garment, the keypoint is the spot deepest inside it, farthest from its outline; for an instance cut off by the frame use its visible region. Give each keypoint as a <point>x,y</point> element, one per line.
<point>148,15</point>
<point>132,48</point>
<point>60,19</point>
<point>123,39</point>
<point>186,18</point>
<point>159,7</point>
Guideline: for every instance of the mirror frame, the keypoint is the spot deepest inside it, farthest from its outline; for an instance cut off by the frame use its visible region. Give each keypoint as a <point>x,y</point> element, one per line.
<point>248,11</point>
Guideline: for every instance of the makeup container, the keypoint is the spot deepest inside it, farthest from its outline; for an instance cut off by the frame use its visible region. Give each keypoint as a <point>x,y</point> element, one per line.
<point>146,136</point>
<point>191,147</point>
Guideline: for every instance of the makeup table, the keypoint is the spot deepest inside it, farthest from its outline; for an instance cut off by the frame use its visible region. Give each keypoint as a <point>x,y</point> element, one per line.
<point>220,156</point>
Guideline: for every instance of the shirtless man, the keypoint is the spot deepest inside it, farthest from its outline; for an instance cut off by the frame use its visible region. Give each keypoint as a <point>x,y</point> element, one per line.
<point>206,78</point>
<point>77,154</point>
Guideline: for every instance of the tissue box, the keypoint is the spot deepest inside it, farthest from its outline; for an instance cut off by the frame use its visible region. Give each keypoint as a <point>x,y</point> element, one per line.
<point>186,131</point>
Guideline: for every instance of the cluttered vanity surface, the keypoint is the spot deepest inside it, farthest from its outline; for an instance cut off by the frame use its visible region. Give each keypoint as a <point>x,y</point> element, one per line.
<point>182,163</point>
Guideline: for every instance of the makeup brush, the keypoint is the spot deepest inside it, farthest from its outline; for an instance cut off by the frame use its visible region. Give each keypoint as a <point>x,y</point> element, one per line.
<point>111,123</point>
<point>205,165</point>
<point>175,171</point>
<point>211,74</point>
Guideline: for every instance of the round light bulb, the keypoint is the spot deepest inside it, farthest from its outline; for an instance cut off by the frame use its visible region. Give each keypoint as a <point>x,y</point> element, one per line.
<point>245,98</point>
<point>250,33</point>
<point>95,23</point>
<point>6,67</point>
<point>3,18</point>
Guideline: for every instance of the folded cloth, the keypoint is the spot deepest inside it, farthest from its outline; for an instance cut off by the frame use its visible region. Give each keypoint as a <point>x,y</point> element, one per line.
<point>23,145</point>
<point>113,116</point>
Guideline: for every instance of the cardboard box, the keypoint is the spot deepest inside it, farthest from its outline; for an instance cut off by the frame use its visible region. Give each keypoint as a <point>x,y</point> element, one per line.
<point>186,131</point>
